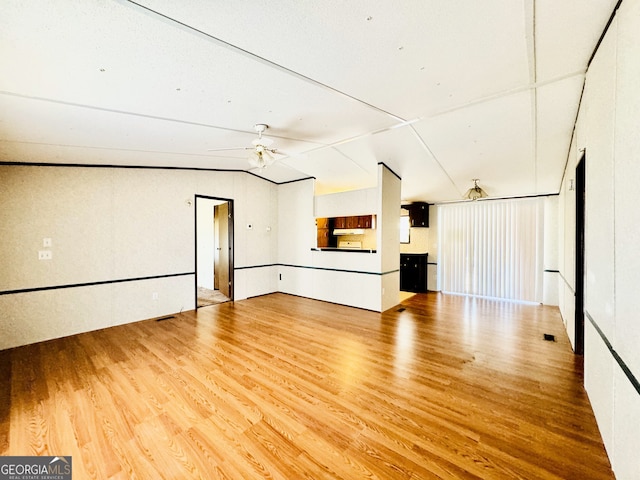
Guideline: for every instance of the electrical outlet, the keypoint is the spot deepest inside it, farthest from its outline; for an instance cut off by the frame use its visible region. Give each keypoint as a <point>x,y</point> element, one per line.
<point>45,255</point>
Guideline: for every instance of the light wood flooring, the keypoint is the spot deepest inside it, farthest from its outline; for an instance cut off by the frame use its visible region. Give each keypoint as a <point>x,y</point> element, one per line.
<point>283,387</point>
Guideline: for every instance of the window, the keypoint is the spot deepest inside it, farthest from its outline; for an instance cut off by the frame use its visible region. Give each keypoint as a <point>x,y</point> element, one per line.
<point>405,229</point>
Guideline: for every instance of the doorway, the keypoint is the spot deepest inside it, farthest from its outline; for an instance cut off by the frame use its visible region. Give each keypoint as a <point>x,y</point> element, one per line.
<point>214,250</point>
<point>580,206</point>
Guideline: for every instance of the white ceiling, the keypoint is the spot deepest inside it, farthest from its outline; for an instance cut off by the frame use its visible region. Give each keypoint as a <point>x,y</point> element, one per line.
<point>439,91</point>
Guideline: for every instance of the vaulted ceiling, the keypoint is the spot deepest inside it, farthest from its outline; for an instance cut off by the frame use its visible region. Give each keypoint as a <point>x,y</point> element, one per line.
<point>439,91</point>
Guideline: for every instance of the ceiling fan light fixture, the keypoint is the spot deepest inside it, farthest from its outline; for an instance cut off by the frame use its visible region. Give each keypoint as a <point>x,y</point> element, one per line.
<point>261,158</point>
<point>260,155</point>
<point>475,192</point>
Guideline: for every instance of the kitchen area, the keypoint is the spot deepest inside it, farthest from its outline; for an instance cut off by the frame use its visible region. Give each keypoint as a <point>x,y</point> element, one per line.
<point>414,247</point>
<point>353,233</point>
<point>345,247</point>
<point>358,234</point>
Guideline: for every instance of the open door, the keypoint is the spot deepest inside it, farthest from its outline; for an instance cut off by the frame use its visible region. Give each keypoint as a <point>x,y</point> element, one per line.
<point>214,250</point>
<point>222,253</point>
<point>580,203</point>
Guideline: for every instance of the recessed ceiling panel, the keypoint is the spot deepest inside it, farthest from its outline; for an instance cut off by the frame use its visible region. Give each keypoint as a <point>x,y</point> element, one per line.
<point>491,141</point>
<point>109,55</point>
<point>567,33</point>
<point>409,58</point>
<point>149,141</point>
<point>334,171</point>
<point>403,152</point>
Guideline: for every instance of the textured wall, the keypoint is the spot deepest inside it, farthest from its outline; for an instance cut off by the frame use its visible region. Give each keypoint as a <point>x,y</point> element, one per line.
<point>122,244</point>
<point>607,130</point>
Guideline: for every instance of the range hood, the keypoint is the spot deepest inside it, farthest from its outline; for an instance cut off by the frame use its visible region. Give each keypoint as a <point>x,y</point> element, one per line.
<point>348,231</point>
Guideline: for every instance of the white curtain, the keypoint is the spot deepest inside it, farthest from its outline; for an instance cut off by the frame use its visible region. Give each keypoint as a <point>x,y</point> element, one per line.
<point>492,248</point>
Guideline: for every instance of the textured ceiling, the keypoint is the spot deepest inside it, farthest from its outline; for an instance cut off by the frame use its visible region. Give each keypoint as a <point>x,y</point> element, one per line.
<point>441,92</point>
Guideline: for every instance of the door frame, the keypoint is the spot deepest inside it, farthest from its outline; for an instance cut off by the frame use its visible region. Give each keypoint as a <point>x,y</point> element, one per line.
<point>229,201</point>
<point>580,254</point>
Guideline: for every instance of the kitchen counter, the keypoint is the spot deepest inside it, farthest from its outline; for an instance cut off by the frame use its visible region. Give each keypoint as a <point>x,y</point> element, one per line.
<point>336,249</point>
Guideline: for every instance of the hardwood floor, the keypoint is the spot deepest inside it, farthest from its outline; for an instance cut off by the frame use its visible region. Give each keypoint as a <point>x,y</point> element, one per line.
<point>285,387</point>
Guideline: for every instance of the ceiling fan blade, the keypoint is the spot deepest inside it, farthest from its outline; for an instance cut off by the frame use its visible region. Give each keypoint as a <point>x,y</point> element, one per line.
<point>227,149</point>
<point>284,153</point>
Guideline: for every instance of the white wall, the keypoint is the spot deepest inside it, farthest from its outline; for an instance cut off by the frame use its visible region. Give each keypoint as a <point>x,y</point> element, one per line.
<point>418,240</point>
<point>123,245</point>
<point>566,241</point>
<point>389,192</point>
<point>339,277</point>
<point>345,204</point>
<point>433,281</point>
<point>551,276</point>
<point>607,129</point>
<point>256,249</point>
<point>110,226</point>
<point>206,240</point>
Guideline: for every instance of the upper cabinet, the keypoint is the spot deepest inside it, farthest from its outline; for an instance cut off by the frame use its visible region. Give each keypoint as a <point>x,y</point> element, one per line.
<point>365,221</point>
<point>322,223</point>
<point>361,221</point>
<point>340,222</point>
<point>324,237</point>
<point>418,214</point>
<point>356,225</point>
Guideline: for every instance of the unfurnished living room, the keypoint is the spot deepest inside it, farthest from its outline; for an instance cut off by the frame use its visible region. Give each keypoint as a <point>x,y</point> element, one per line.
<point>323,240</point>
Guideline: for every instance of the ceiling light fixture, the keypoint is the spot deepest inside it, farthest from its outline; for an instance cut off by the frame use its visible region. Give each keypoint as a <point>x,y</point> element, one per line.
<point>475,192</point>
<point>261,157</point>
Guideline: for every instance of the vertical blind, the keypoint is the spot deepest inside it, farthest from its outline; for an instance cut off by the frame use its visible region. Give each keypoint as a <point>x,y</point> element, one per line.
<point>492,248</point>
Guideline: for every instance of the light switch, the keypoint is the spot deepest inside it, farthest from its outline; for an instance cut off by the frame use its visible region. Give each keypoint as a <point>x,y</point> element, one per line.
<point>46,242</point>
<point>45,255</point>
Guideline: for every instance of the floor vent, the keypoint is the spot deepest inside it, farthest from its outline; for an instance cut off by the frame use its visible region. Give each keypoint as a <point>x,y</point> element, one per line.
<point>165,318</point>
<point>549,338</point>
<point>401,309</point>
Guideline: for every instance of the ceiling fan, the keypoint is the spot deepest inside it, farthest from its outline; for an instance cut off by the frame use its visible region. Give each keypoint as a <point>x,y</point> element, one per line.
<point>261,155</point>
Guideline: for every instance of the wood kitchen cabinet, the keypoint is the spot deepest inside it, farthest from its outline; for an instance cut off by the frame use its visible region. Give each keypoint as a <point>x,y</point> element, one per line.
<point>322,222</point>
<point>340,222</point>
<point>324,227</point>
<point>360,221</point>
<point>352,222</point>
<point>365,221</point>
<point>413,272</point>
